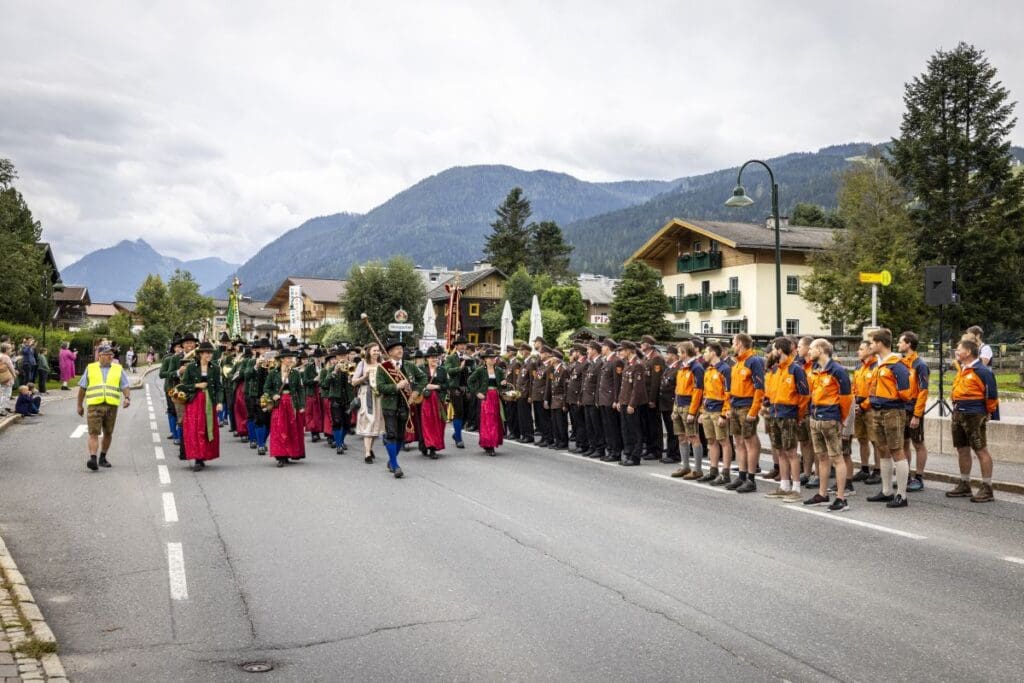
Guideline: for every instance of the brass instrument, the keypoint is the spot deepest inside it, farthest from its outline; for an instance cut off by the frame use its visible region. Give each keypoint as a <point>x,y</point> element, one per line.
<point>412,398</point>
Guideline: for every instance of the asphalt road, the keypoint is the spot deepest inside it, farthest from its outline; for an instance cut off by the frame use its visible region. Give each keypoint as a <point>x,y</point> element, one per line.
<point>533,565</point>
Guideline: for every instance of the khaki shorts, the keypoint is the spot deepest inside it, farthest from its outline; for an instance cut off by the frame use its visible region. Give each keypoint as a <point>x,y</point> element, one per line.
<point>783,432</point>
<point>889,426</point>
<point>969,430</point>
<point>803,431</point>
<point>826,438</point>
<point>740,426</point>
<point>914,435</point>
<point>101,419</point>
<point>864,426</point>
<point>712,430</point>
<point>680,427</point>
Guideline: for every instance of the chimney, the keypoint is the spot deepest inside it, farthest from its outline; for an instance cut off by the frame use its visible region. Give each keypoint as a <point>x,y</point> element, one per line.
<point>783,222</point>
<point>481,265</point>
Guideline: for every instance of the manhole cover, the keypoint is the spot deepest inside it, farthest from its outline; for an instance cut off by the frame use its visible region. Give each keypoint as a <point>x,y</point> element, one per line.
<point>256,667</point>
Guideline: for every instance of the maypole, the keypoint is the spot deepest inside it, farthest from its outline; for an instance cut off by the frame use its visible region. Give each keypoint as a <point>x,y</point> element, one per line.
<point>453,318</point>
<point>234,321</point>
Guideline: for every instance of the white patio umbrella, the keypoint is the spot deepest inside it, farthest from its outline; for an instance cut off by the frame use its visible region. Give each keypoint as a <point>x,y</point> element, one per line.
<point>536,324</point>
<point>429,321</point>
<point>507,327</point>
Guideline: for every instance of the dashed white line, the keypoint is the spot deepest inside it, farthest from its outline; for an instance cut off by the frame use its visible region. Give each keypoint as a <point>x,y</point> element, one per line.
<point>1015,560</point>
<point>152,425</point>
<point>80,430</point>
<point>170,509</point>
<point>159,452</point>
<point>165,475</point>
<point>156,437</point>
<point>847,520</point>
<point>176,572</point>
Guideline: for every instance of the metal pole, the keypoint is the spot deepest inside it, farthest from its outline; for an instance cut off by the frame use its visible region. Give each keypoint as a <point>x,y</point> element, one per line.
<point>874,306</point>
<point>778,256</point>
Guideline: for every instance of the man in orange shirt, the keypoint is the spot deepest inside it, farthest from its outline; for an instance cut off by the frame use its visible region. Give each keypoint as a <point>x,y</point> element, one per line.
<point>746,394</point>
<point>688,397</point>
<point>975,402</point>
<point>789,398</point>
<point>863,426</point>
<point>888,397</point>
<point>913,433</point>
<point>831,400</point>
<point>717,377</point>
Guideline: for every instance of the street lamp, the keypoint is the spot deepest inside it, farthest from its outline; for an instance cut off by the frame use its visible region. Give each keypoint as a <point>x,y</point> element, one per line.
<point>740,199</point>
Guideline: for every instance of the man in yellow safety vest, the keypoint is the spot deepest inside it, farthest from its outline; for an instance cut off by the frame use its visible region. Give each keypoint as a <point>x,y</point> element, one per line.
<point>102,388</point>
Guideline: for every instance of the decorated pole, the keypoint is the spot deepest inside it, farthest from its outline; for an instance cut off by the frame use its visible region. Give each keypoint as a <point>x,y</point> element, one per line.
<point>234,320</point>
<point>453,319</point>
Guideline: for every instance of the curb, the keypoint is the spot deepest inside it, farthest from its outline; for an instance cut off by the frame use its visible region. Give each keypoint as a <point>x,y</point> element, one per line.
<point>49,667</point>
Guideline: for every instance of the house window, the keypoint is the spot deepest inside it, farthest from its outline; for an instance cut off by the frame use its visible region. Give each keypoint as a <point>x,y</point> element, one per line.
<point>734,326</point>
<point>792,284</point>
<point>698,246</point>
<point>474,337</point>
<point>680,291</point>
<point>838,328</point>
<point>792,326</point>
<point>706,327</point>
<point>474,310</point>
<point>734,284</point>
<point>705,287</point>
<point>714,246</point>
<point>684,326</point>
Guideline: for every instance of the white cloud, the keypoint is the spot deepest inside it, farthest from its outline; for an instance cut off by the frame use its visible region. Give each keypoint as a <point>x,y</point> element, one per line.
<point>209,128</point>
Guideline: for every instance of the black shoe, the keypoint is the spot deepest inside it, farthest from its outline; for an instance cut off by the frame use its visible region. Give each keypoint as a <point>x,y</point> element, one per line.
<point>170,437</point>
<point>281,462</point>
<point>629,463</point>
<point>103,461</point>
<point>708,478</point>
<point>749,486</point>
<point>735,484</point>
<point>611,458</point>
<point>650,456</point>
<point>874,479</point>
<point>344,447</point>
<point>92,463</point>
<point>339,451</point>
<point>490,452</point>
<point>861,475</point>
<point>525,440</point>
<point>670,460</point>
<point>432,454</point>
<point>262,450</point>
<point>252,444</point>
<point>198,465</point>
<point>459,444</point>
<point>398,473</point>
<point>389,467</point>
<point>177,442</point>
<point>316,437</point>
<point>331,444</point>
<point>880,498</point>
<point>804,478</point>
<point>897,502</point>
<point>720,480</point>
<point>369,459</point>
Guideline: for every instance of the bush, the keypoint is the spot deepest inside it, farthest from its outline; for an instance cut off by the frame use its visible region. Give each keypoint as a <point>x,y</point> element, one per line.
<point>554,324</point>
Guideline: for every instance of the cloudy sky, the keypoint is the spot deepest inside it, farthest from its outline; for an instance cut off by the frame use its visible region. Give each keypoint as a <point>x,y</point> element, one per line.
<point>208,128</point>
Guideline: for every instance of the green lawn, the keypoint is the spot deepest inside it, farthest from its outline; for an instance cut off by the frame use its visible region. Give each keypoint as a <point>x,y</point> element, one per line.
<point>1007,381</point>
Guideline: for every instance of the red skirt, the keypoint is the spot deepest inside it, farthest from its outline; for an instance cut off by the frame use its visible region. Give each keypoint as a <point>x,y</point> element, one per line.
<point>325,408</point>
<point>197,446</point>
<point>286,437</point>
<point>241,414</point>
<point>491,428</point>
<point>314,412</point>
<point>431,422</point>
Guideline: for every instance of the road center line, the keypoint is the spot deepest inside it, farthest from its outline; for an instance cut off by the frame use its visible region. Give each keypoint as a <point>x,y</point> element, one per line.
<point>80,431</point>
<point>165,475</point>
<point>1015,560</point>
<point>159,452</point>
<point>702,487</point>
<point>857,522</point>
<point>156,437</point>
<point>170,509</point>
<point>152,425</point>
<point>176,572</point>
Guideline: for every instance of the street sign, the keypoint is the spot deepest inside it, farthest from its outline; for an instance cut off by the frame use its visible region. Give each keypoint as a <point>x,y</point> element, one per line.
<point>400,327</point>
<point>884,278</point>
<point>401,316</point>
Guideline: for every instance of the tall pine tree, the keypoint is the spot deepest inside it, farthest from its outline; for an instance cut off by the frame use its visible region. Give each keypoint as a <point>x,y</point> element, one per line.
<point>639,306</point>
<point>548,252</point>
<point>506,246</point>
<point>953,156</point>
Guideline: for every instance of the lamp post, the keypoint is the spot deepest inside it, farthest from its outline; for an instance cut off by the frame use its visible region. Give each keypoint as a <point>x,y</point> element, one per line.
<point>738,199</point>
<point>49,288</point>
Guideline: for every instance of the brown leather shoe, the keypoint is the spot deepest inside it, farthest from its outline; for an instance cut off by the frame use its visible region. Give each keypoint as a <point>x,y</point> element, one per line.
<point>962,490</point>
<point>694,474</point>
<point>681,472</point>
<point>984,494</point>
<point>773,474</point>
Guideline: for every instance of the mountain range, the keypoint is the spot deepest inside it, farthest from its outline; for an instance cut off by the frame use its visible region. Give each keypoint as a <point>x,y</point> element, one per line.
<point>115,273</point>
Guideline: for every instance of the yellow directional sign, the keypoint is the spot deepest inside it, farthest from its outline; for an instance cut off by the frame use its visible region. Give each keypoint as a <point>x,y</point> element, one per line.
<point>884,278</point>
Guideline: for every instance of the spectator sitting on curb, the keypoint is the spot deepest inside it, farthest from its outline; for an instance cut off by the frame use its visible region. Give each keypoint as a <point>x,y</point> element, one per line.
<point>27,403</point>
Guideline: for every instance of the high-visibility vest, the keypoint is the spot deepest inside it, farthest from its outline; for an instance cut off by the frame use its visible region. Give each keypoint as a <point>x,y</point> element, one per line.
<point>99,392</point>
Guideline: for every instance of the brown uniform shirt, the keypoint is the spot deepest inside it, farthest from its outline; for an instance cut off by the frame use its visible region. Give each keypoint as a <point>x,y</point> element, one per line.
<point>591,375</point>
<point>525,379</point>
<point>557,386</point>
<point>655,366</point>
<point>574,389</point>
<point>667,391</point>
<point>633,391</point>
<point>610,381</point>
<point>540,375</point>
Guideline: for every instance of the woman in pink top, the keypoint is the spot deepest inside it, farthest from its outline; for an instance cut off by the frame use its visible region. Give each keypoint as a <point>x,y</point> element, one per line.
<point>67,365</point>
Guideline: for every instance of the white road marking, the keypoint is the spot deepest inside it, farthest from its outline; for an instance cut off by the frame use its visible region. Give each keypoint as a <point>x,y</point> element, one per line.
<point>165,476</point>
<point>580,457</point>
<point>159,452</point>
<point>152,425</point>
<point>847,520</point>
<point>1015,560</point>
<point>170,509</point>
<point>176,572</point>
<point>703,487</point>
<point>80,431</point>
<point>156,437</point>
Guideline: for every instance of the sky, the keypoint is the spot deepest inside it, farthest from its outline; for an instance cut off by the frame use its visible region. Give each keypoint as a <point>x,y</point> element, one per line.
<point>210,128</point>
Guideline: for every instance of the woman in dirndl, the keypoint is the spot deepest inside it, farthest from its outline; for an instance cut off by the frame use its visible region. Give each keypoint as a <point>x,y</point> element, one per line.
<point>432,410</point>
<point>485,383</point>
<point>284,388</point>
<point>201,383</point>
<point>369,417</point>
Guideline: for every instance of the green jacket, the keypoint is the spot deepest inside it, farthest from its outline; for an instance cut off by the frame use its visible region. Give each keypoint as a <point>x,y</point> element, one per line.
<point>255,378</point>
<point>170,378</point>
<point>477,382</point>
<point>336,386</point>
<point>388,389</point>
<point>272,387</point>
<point>440,379</point>
<point>310,376</point>
<point>213,380</point>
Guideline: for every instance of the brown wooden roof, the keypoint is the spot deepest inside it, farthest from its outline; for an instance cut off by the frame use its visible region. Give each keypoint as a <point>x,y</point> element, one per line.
<point>665,243</point>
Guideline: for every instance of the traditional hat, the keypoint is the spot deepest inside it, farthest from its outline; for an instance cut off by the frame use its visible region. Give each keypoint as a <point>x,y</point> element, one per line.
<point>488,353</point>
<point>511,348</point>
<point>539,338</point>
<point>205,346</point>
<point>330,353</point>
<point>610,343</point>
<point>189,337</point>
<point>287,354</point>
<point>460,340</point>
<point>626,344</point>
<point>558,354</point>
<point>224,338</point>
<point>648,339</point>
<point>319,353</point>
<point>261,344</point>
<point>523,346</point>
<point>672,349</point>
<point>392,343</point>
<point>594,345</point>
<point>418,353</point>
<point>292,341</point>
<point>434,351</point>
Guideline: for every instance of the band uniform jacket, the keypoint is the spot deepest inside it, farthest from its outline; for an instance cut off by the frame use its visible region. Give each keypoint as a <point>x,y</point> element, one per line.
<point>611,380</point>
<point>591,376</point>
<point>574,388</point>
<point>513,369</point>
<point>667,392</point>
<point>655,366</point>
<point>558,386</point>
<point>633,391</point>
<point>525,380</point>
<point>540,376</point>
